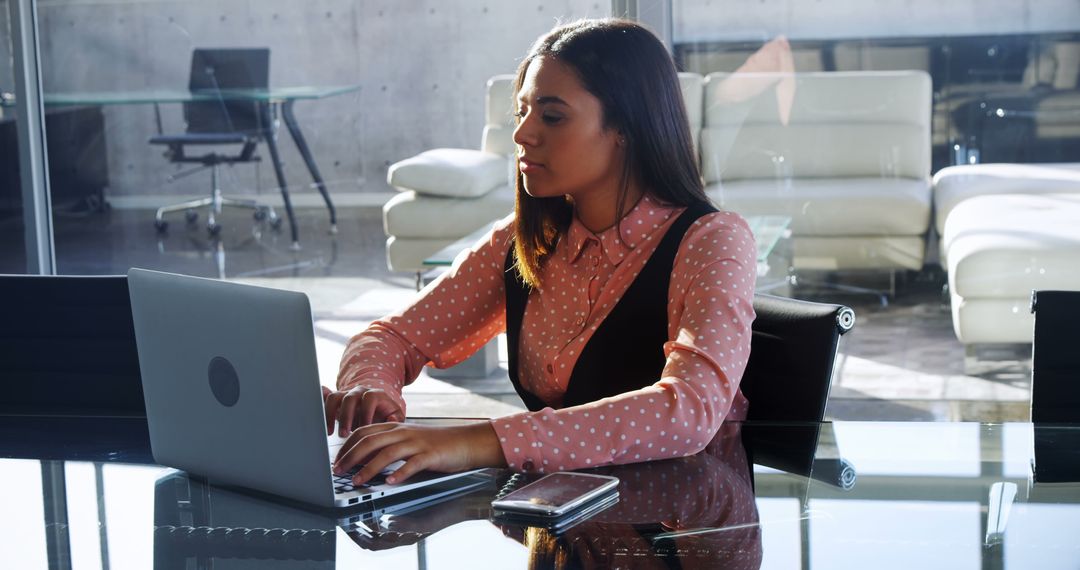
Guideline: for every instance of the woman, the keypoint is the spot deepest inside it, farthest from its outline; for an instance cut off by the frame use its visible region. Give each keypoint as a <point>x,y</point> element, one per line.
<point>627,299</point>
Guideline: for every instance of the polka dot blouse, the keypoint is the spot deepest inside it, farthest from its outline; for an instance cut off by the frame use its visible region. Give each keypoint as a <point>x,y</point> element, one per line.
<point>710,310</point>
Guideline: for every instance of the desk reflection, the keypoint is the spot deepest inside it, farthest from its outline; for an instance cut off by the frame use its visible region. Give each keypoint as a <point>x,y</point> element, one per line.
<point>690,512</point>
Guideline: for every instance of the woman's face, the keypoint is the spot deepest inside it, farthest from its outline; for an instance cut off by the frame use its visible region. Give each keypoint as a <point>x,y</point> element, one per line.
<point>563,147</point>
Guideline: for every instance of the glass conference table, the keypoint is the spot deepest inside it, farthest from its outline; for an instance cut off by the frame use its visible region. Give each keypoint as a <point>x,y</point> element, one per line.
<point>280,99</point>
<point>85,494</point>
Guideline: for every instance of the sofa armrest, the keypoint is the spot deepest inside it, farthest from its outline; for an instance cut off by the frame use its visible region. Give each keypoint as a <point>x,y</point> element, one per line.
<point>450,172</point>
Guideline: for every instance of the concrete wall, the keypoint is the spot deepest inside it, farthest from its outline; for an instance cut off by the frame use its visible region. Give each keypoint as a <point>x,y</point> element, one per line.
<point>422,64</point>
<point>718,20</point>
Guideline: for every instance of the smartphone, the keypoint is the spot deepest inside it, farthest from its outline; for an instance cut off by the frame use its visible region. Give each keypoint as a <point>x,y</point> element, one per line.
<point>556,494</point>
<point>558,525</point>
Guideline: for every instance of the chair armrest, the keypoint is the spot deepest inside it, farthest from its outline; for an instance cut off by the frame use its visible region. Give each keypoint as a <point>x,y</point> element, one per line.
<point>450,172</point>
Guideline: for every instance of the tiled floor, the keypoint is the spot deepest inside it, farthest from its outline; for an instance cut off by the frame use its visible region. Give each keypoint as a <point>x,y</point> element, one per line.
<point>901,361</point>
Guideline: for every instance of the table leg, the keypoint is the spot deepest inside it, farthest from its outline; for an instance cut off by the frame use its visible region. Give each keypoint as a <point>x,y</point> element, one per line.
<point>305,152</point>
<point>279,172</point>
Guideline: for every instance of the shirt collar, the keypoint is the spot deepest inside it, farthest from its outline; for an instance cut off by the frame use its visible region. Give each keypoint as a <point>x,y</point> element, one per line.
<point>618,241</point>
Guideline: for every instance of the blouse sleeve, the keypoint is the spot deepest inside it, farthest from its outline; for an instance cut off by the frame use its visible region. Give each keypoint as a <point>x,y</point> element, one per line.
<point>710,312</point>
<point>450,320</point>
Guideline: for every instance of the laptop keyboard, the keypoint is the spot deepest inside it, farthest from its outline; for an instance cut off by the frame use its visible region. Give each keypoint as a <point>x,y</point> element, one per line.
<point>344,484</point>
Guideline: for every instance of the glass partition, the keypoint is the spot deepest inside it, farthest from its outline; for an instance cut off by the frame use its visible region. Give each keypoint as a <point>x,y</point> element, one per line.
<point>143,94</point>
<point>927,155</point>
<point>12,233</point>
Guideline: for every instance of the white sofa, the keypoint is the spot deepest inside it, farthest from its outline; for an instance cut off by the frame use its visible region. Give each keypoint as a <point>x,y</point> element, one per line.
<point>434,207</point>
<point>1006,230</point>
<point>851,167</point>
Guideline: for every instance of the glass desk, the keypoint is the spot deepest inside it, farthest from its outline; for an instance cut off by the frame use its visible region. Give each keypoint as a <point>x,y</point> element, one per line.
<point>280,99</point>
<point>85,494</point>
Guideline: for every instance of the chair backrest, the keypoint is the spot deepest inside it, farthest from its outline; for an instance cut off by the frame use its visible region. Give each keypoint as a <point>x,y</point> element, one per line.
<point>787,379</point>
<point>67,347</point>
<point>792,351</point>
<point>1055,357</point>
<point>872,124</point>
<point>214,70</point>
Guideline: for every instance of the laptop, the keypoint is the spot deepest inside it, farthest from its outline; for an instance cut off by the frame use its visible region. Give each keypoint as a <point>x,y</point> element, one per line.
<point>232,393</point>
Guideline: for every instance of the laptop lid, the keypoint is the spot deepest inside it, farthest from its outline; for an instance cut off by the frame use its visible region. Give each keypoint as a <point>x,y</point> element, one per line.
<point>230,383</point>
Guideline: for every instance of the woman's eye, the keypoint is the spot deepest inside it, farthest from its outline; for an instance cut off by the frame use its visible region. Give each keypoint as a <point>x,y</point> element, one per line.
<point>551,119</point>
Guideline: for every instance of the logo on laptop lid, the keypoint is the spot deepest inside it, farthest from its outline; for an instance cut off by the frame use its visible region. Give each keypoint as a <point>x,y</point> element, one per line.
<point>224,382</point>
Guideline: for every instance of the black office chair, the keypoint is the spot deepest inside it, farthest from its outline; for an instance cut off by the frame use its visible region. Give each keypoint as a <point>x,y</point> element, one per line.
<point>788,378</point>
<point>214,119</point>
<point>67,347</point>
<point>1055,357</point>
<point>792,351</point>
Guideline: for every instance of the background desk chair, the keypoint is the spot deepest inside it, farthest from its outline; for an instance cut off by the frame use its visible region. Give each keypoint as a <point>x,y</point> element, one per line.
<point>214,120</point>
<point>1055,357</point>
<point>787,379</point>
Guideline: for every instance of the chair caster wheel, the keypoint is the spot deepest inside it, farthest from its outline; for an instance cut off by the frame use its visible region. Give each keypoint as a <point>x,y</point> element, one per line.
<point>275,223</point>
<point>214,229</point>
<point>161,225</point>
<point>259,215</point>
<point>191,216</point>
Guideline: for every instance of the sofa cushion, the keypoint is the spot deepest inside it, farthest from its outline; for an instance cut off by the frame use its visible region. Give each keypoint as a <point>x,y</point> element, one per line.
<point>833,206</point>
<point>414,215</point>
<point>823,253</point>
<point>955,184</point>
<point>841,124</point>
<point>1004,246</point>
<point>454,172</point>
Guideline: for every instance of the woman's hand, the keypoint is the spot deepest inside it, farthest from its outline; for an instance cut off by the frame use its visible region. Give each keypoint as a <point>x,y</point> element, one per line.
<point>444,449</point>
<point>357,407</point>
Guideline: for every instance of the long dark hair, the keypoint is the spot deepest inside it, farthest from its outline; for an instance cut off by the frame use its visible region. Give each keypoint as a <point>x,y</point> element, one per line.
<point>628,69</point>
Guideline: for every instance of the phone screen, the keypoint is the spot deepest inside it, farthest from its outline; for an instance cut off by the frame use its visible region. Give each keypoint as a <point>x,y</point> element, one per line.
<point>557,489</point>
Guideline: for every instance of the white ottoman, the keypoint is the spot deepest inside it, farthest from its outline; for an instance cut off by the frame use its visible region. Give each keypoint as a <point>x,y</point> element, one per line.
<point>954,184</point>
<point>998,249</point>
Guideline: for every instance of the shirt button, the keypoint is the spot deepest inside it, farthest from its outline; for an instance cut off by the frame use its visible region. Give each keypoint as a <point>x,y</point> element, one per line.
<point>595,261</point>
<point>528,465</point>
<point>550,369</point>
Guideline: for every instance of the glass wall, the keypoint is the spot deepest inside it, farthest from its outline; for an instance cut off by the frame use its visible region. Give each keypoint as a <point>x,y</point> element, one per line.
<point>355,86</point>
<point>12,233</point>
<point>925,152</point>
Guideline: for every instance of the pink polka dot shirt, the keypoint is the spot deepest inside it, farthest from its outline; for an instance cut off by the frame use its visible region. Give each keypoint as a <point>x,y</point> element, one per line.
<point>710,310</point>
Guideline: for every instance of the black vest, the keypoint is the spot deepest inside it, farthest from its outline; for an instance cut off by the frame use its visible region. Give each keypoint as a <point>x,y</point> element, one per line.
<point>627,350</point>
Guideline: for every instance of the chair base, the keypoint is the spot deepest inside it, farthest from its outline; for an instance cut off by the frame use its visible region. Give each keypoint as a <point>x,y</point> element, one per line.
<point>216,202</point>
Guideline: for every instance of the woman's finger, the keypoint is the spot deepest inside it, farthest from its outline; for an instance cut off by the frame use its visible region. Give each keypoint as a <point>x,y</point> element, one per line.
<point>368,406</point>
<point>349,403</point>
<point>379,408</point>
<point>383,458</point>
<point>414,465</point>
<point>353,451</point>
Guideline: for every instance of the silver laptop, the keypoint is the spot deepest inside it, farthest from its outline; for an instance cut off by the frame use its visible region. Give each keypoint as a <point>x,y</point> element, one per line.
<point>232,389</point>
